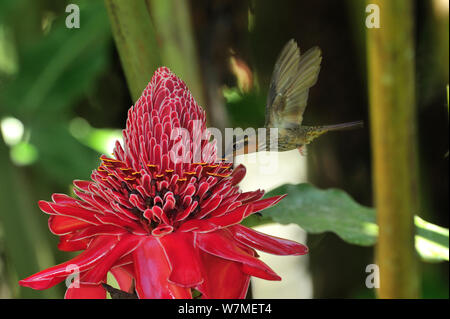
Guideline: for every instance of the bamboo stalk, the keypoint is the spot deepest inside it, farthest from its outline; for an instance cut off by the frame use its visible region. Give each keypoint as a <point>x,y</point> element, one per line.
<point>390,52</point>
<point>440,36</point>
<point>173,27</point>
<point>136,42</point>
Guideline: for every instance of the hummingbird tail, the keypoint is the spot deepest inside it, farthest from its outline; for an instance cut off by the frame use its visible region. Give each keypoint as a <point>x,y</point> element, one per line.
<point>344,126</point>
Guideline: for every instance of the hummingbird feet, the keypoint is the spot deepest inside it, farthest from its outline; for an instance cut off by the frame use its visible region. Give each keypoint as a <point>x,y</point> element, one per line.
<point>302,150</point>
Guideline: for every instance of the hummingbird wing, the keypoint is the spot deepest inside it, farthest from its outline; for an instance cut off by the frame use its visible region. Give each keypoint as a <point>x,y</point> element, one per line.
<point>292,77</point>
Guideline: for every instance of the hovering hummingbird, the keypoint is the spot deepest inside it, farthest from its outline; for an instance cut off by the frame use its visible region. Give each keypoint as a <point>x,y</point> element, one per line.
<point>293,75</point>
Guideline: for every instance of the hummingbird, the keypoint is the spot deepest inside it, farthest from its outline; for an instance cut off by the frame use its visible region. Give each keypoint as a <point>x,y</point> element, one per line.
<point>293,75</point>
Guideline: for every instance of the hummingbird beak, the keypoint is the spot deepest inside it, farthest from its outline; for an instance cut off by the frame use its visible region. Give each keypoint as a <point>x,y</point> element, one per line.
<point>319,130</point>
<point>345,126</point>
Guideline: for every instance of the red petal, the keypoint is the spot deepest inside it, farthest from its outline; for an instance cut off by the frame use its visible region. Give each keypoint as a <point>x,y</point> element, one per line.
<point>69,211</point>
<point>197,225</point>
<point>250,196</point>
<point>83,185</point>
<point>124,262</point>
<point>232,217</point>
<point>89,258</point>
<point>65,243</point>
<point>267,243</point>
<point>162,230</point>
<point>126,244</point>
<point>118,222</point>
<point>238,174</point>
<point>183,259</point>
<point>61,225</point>
<point>210,205</point>
<point>123,277</point>
<point>221,244</point>
<point>266,203</point>
<point>85,292</point>
<point>256,272</point>
<point>64,199</point>
<point>224,208</point>
<point>152,271</point>
<point>97,231</point>
<point>224,279</point>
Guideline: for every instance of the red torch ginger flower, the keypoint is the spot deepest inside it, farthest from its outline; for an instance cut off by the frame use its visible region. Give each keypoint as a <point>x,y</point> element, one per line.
<point>161,222</point>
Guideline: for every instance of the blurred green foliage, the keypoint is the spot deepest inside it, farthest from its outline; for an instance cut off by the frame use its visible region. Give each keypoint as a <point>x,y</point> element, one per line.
<point>46,68</point>
<point>67,88</point>
<point>53,73</point>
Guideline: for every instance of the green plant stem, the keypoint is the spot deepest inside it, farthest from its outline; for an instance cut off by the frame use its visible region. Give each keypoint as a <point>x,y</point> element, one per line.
<point>393,131</point>
<point>136,42</point>
<point>173,27</point>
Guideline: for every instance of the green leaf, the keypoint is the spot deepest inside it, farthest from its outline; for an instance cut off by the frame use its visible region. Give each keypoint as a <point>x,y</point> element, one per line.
<point>333,210</point>
<point>60,67</point>
<point>318,211</point>
<point>431,240</point>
